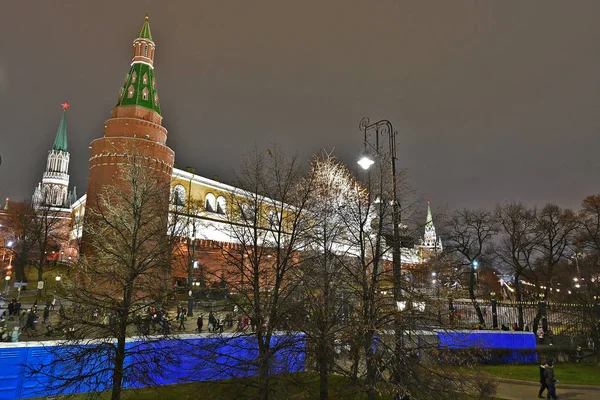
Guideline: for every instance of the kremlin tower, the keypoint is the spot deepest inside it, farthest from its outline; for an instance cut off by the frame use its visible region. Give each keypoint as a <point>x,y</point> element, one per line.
<point>431,243</point>
<point>135,127</point>
<point>53,190</point>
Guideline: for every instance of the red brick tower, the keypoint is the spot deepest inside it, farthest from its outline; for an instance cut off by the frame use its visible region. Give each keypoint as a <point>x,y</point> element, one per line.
<point>135,126</point>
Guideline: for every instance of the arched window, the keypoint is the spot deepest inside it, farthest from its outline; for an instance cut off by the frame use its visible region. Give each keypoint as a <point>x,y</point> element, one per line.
<point>273,219</point>
<point>145,79</point>
<point>211,202</point>
<point>145,94</point>
<point>248,213</point>
<point>130,92</point>
<point>245,211</point>
<point>133,77</point>
<point>146,51</point>
<point>155,98</point>
<point>221,205</point>
<point>179,195</point>
<point>55,196</point>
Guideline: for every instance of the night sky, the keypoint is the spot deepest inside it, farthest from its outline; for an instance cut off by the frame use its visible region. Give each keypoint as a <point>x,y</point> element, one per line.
<point>493,101</point>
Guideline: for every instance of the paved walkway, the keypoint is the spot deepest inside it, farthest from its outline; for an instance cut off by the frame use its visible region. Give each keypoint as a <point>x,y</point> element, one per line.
<point>509,389</point>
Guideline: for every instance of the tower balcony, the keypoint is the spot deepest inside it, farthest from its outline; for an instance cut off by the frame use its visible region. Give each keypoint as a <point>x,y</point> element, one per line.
<point>56,176</point>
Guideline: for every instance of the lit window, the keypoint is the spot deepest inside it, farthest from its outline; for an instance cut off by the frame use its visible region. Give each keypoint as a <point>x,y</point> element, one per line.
<point>273,219</point>
<point>221,205</point>
<point>146,51</point>
<point>130,91</point>
<point>179,195</point>
<point>145,94</point>
<point>133,77</point>
<point>210,202</point>
<point>145,79</point>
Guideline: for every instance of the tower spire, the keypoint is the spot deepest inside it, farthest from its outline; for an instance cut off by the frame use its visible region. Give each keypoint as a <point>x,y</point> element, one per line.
<point>52,191</point>
<point>140,85</point>
<point>429,220</point>
<point>145,32</point>
<point>60,142</point>
<point>430,239</point>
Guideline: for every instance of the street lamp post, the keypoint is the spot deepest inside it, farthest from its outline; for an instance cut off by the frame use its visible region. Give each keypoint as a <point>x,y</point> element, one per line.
<point>383,128</point>
<point>6,278</point>
<point>494,311</point>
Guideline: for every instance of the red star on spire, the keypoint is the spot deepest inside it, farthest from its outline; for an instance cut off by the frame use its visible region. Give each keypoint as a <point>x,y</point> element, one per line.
<point>428,202</point>
<point>65,105</point>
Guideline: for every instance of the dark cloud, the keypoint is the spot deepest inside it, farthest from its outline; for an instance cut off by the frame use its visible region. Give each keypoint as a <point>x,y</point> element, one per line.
<point>493,100</point>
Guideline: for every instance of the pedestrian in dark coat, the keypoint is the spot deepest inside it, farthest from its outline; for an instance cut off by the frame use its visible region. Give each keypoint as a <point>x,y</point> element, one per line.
<point>200,323</point>
<point>550,381</point>
<point>46,313</point>
<point>542,380</point>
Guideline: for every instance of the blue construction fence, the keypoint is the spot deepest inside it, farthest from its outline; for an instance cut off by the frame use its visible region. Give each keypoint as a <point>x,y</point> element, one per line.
<point>496,346</point>
<point>188,358</point>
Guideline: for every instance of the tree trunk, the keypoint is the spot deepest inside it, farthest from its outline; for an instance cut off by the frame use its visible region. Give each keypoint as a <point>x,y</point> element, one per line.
<point>371,367</point>
<point>521,321</point>
<point>323,374</point>
<point>264,370</point>
<point>117,379</point>
<point>473,298</point>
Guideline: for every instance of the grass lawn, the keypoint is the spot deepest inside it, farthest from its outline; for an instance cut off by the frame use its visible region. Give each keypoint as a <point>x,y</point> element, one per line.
<point>299,386</point>
<point>290,386</point>
<point>566,373</point>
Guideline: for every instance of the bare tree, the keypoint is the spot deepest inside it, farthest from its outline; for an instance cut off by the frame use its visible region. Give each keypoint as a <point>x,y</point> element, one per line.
<point>50,227</point>
<point>587,242</point>
<point>265,222</point>
<point>555,228</point>
<point>518,243</point>
<point>325,289</point>
<point>185,214</point>
<point>20,223</point>
<point>470,234</point>
<point>119,277</point>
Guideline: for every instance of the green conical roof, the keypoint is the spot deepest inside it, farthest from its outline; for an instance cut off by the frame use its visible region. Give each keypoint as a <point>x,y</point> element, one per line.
<point>132,93</point>
<point>140,86</point>
<point>145,32</point>
<point>60,142</point>
<point>429,220</point>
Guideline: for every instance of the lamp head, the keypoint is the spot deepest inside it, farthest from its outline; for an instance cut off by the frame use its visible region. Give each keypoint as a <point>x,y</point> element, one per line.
<point>365,161</point>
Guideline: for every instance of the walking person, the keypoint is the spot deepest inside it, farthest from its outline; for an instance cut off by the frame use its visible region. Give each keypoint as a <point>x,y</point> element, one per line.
<point>46,314</point>
<point>181,318</point>
<point>550,381</point>
<point>542,380</point>
<point>200,323</point>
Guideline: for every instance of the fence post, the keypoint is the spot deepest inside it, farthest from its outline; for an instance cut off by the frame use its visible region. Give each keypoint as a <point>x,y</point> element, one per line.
<point>451,308</point>
<point>543,312</point>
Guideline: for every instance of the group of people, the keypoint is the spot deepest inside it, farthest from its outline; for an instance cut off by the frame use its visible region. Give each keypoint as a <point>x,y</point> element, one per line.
<point>11,327</point>
<point>216,324</point>
<point>515,328</point>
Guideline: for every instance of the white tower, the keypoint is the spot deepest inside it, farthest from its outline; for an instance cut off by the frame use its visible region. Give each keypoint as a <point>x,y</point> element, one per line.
<point>53,190</point>
<point>430,239</point>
